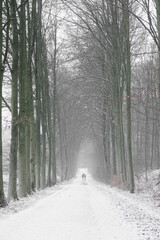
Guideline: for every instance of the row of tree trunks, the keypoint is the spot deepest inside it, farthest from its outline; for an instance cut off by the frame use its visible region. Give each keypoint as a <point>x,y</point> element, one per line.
<point>109,24</point>
<point>27,134</point>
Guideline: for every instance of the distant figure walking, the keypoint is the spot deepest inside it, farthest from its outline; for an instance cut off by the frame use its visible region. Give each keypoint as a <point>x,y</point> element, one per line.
<point>83,176</point>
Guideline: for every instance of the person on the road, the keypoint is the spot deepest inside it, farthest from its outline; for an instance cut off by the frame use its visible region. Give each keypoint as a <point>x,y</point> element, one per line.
<point>83,176</point>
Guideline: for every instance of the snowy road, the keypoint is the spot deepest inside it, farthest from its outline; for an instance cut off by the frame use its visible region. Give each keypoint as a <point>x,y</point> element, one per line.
<point>75,212</point>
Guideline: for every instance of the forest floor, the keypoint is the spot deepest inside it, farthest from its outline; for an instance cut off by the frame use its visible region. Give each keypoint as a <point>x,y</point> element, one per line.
<point>76,210</point>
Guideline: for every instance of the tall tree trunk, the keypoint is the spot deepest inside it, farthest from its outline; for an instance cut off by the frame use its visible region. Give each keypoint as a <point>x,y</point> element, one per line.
<point>12,191</point>
<point>22,104</point>
<point>38,80</point>
<point>44,106</point>
<point>2,198</point>
<point>157,139</point>
<point>158,29</point>
<point>33,152</point>
<point>66,165</point>
<point>48,115</point>
<point>30,138</point>
<point>146,132</point>
<point>54,171</point>
<point>152,164</point>
<point>113,149</point>
<point>118,87</point>
<point>60,140</point>
<point>27,135</point>
<point>106,160</point>
<point>38,120</point>
<point>31,44</point>
<point>126,22</point>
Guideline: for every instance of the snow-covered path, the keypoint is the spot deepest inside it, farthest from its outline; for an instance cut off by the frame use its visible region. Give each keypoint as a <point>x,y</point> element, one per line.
<point>77,211</point>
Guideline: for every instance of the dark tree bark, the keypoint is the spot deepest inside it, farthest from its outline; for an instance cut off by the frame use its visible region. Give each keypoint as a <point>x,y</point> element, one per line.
<point>2,198</point>
<point>12,192</point>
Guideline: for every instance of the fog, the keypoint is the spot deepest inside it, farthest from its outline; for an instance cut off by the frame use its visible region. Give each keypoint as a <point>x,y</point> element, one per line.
<point>86,155</point>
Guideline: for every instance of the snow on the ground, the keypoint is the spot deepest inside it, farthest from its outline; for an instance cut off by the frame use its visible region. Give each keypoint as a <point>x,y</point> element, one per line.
<point>77,210</point>
<point>149,188</point>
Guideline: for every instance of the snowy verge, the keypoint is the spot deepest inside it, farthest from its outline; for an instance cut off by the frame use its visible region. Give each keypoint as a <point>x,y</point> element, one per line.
<point>148,186</point>
<point>137,210</point>
<point>30,200</point>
